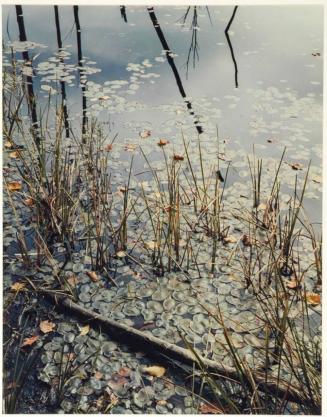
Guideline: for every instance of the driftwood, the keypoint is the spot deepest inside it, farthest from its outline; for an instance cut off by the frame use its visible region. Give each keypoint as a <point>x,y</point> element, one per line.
<point>149,343</point>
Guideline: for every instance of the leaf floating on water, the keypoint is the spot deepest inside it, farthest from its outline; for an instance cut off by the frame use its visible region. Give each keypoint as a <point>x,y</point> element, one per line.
<point>151,245</point>
<point>18,286</point>
<point>293,284</point>
<point>210,409</point>
<point>104,98</point>
<point>84,330</point>
<point>145,134</point>
<point>130,147</point>
<point>47,326</point>
<point>296,166</point>
<point>124,371</point>
<point>313,299</point>
<point>30,341</point>
<point>108,147</point>
<point>92,275</point>
<point>14,186</point>
<point>15,155</point>
<point>316,54</point>
<point>230,239</point>
<point>163,142</point>
<point>178,157</point>
<point>317,179</point>
<point>157,371</point>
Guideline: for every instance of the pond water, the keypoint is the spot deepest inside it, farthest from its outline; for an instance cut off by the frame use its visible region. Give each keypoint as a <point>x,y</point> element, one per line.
<point>257,85</point>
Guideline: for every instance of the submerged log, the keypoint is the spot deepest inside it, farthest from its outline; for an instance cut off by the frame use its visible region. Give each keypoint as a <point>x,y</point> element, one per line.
<point>152,344</point>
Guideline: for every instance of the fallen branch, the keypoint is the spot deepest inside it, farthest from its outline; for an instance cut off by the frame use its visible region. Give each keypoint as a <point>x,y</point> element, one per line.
<point>147,342</point>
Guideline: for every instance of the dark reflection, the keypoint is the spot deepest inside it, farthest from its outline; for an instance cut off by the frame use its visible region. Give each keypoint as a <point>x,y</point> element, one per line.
<point>171,62</point>
<point>29,78</point>
<point>123,13</point>
<point>231,46</point>
<point>62,83</point>
<point>82,76</point>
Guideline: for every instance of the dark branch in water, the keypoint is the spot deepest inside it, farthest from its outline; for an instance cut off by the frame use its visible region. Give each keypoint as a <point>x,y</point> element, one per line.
<point>123,13</point>
<point>231,46</point>
<point>62,83</point>
<point>80,68</point>
<point>171,62</point>
<point>29,79</point>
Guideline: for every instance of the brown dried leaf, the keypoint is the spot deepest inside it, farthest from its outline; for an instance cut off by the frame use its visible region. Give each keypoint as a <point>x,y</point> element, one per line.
<point>28,341</point>
<point>29,202</point>
<point>157,371</point>
<point>98,375</point>
<point>130,147</point>
<point>145,134</point>
<point>92,275</point>
<point>117,381</point>
<point>293,284</point>
<point>47,326</point>
<point>14,186</point>
<point>121,254</point>
<point>296,166</point>
<point>8,144</point>
<point>246,240</point>
<point>163,142</point>
<point>313,299</point>
<point>178,157</point>
<point>124,371</point>
<point>108,147</point>
<point>15,155</point>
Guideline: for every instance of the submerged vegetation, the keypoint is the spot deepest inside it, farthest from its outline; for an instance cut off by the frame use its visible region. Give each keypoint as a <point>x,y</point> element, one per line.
<point>169,243</point>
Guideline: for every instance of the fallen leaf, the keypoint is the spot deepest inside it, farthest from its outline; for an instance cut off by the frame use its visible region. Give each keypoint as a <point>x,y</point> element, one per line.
<point>157,371</point>
<point>178,157</point>
<point>29,202</point>
<point>117,381</point>
<point>162,402</point>
<point>72,280</point>
<point>121,254</point>
<point>14,186</point>
<point>145,134</point>
<point>92,275</point>
<point>15,155</point>
<point>98,375</point>
<point>246,240</point>
<point>124,371</point>
<point>18,286</point>
<point>8,144</point>
<point>262,206</point>
<point>151,245</point>
<point>210,409</point>
<point>292,284</point>
<point>296,166</point>
<point>108,147</point>
<point>230,239</point>
<point>47,326</point>
<point>104,98</point>
<point>84,330</point>
<point>163,142</point>
<point>317,179</point>
<point>313,299</point>
<point>30,341</point>
<point>130,147</point>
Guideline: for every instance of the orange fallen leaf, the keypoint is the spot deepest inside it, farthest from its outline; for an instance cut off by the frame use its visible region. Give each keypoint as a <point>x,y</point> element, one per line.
<point>108,147</point>
<point>15,155</point>
<point>293,284</point>
<point>124,371</point>
<point>47,326</point>
<point>313,299</point>
<point>28,341</point>
<point>210,409</point>
<point>157,371</point>
<point>230,239</point>
<point>18,286</point>
<point>178,157</point>
<point>84,330</point>
<point>14,186</point>
<point>163,142</point>
<point>92,275</point>
<point>145,134</point>
<point>29,202</point>
<point>98,375</point>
